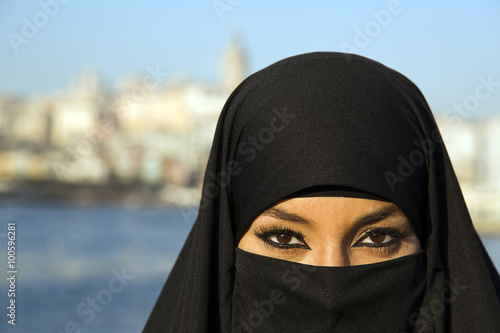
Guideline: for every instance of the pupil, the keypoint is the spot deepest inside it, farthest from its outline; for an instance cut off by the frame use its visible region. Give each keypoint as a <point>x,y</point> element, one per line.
<point>284,238</point>
<point>377,238</point>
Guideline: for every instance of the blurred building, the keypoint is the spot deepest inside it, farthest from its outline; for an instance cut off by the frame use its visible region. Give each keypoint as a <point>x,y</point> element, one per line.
<point>474,150</point>
<point>233,64</point>
<point>158,134</point>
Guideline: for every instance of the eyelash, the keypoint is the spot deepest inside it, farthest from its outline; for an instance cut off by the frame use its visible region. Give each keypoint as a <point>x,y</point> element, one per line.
<point>265,233</point>
<point>394,232</point>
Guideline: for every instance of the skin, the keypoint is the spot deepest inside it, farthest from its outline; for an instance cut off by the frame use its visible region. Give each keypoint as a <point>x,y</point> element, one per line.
<point>335,230</point>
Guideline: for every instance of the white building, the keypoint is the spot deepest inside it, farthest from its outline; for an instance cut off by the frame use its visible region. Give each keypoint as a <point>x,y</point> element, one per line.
<point>474,149</point>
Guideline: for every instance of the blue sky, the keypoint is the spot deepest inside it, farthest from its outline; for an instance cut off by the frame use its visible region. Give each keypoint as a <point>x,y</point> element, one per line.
<point>443,46</point>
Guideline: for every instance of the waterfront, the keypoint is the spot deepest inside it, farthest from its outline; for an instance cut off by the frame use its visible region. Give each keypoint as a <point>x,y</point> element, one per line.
<point>69,255</point>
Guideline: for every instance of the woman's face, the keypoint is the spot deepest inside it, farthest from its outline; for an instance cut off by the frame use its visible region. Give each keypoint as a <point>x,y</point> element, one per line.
<point>331,231</point>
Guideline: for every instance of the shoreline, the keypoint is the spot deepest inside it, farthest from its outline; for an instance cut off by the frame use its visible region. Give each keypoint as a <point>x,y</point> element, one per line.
<point>133,195</point>
<point>83,194</point>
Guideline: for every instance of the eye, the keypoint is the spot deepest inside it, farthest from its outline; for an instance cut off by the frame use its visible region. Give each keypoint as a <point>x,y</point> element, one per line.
<point>379,237</point>
<point>281,237</point>
<point>284,239</point>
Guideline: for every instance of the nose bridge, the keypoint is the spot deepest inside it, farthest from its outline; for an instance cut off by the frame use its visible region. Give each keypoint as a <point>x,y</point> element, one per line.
<point>331,254</point>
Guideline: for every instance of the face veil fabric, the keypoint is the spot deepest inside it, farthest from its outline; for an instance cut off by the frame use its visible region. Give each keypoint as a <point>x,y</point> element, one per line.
<point>272,295</point>
<point>319,121</point>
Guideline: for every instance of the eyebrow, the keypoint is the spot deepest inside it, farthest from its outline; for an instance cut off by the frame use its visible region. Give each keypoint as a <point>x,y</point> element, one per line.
<point>373,217</point>
<point>377,215</point>
<point>287,216</point>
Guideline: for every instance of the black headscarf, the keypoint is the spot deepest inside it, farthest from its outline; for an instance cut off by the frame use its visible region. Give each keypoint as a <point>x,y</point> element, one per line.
<point>316,122</point>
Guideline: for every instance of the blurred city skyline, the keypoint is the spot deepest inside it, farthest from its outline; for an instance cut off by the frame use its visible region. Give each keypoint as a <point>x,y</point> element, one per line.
<point>444,47</point>
<point>151,137</point>
<point>149,140</point>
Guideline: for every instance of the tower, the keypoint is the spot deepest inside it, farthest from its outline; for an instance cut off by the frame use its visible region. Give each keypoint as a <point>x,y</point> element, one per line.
<point>233,65</point>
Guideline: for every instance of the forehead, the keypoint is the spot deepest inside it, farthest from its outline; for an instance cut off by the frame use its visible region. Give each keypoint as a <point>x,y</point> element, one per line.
<point>332,205</point>
<point>332,212</point>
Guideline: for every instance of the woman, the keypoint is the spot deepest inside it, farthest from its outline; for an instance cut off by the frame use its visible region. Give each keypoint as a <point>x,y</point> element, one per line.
<point>329,205</point>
